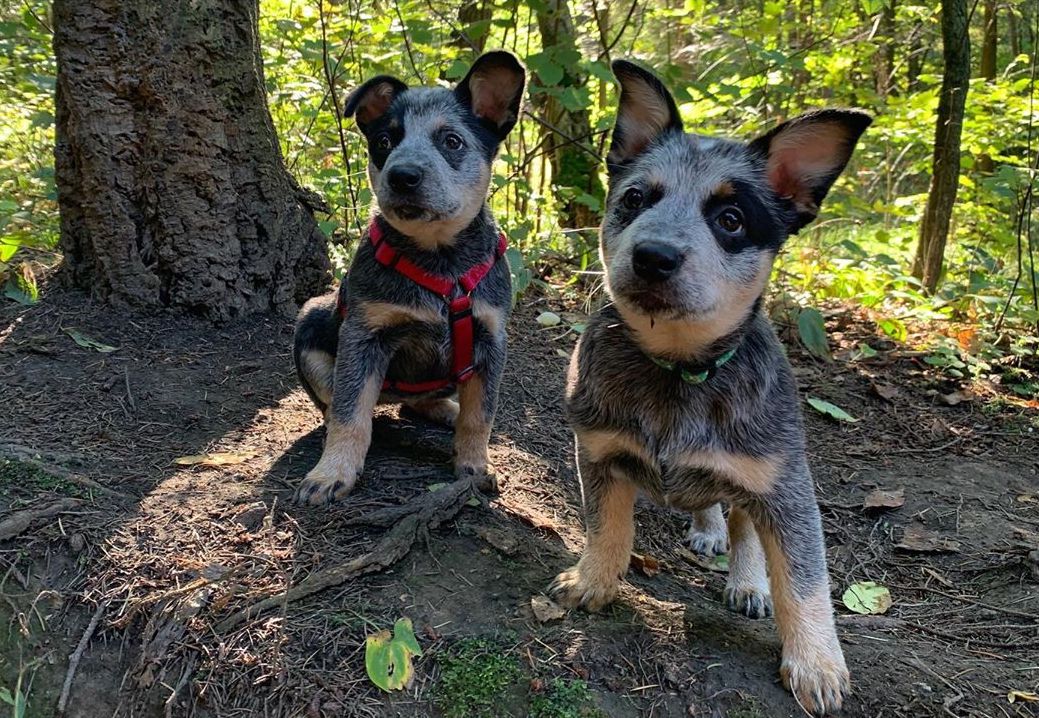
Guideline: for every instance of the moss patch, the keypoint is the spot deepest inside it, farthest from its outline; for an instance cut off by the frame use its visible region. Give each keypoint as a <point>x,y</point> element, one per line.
<point>479,678</point>
<point>565,699</point>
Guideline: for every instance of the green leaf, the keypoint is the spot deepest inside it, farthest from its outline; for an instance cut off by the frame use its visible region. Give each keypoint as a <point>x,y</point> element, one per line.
<point>549,72</point>
<point>388,659</point>
<point>88,343</point>
<point>22,289</point>
<point>831,410</point>
<point>867,597</point>
<point>894,328</point>
<point>812,330</point>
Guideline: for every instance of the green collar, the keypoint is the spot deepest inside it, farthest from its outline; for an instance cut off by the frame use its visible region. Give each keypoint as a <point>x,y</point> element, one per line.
<point>694,373</point>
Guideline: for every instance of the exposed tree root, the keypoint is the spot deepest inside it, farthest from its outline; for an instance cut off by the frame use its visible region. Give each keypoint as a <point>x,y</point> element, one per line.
<point>414,520</point>
<point>18,522</point>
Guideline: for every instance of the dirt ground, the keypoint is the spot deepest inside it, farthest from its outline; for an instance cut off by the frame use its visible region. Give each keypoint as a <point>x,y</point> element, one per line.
<point>134,565</point>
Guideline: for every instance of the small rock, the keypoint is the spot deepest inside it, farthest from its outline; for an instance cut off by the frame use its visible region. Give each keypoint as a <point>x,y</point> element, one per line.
<point>251,516</point>
<point>545,609</point>
<point>77,542</point>
<point>880,499</point>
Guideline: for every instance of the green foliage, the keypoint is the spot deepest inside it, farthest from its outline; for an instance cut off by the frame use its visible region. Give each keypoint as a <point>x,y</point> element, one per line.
<point>475,675</point>
<point>565,699</point>
<point>22,477</point>
<point>387,658</point>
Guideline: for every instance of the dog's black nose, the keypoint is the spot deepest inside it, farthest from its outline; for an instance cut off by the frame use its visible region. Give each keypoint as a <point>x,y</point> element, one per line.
<point>654,261</point>
<point>404,178</point>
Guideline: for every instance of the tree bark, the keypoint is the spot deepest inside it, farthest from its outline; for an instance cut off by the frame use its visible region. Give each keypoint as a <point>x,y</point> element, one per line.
<point>884,59</point>
<point>571,130</point>
<point>934,230</point>
<point>990,41</point>
<point>171,185</point>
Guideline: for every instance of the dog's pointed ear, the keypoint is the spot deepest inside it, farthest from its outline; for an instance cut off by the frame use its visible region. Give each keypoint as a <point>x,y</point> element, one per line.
<point>805,155</point>
<point>493,89</point>
<point>370,101</point>
<point>646,110</point>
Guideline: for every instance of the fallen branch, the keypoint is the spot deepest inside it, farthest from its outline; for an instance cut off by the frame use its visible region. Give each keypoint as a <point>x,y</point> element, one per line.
<point>18,522</point>
<point>74,659</point>
<point>426,512</point>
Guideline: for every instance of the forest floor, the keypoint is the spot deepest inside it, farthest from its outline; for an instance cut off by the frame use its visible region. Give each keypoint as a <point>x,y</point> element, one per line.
<point>134,565</point>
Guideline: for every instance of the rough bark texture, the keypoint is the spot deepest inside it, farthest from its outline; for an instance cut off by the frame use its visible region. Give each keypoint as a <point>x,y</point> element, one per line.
<point>171,184</point>
<point>934,230</point>
<point>884,59</point>
<point>572,166</point>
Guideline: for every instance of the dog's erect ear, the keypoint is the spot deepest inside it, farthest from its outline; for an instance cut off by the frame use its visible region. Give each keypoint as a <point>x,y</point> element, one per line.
<point>806,154</point>
<point>494,90</point>
<point>370,101</point>
<point>646,111</point>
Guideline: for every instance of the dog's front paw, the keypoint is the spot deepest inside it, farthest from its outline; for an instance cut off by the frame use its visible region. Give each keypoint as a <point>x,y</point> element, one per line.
<point>575,588</point>
<point>707,541</point>
<point>485,478</point>
<point>324,486</point>
<point>818,679</point>
<point>749,601</point>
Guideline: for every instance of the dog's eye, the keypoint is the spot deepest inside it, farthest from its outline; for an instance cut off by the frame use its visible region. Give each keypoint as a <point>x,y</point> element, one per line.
<point>633,198</point>
<point>731,220</point>
<point>453,141</point>
<point>383,142</point>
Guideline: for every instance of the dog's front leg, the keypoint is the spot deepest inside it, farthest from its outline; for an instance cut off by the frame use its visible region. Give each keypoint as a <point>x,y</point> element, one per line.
<point>788,523</point>
<point>609,506</point>
<point>477,405</point>
<point>361,362</point>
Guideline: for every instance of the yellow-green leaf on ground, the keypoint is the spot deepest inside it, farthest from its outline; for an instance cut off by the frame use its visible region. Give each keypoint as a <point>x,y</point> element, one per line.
<point>1027,696</point>
<point>387,659</point>
<point>831,410</point>
<point>867,597</point>
<point>217,459</point>
<point>87,343</point>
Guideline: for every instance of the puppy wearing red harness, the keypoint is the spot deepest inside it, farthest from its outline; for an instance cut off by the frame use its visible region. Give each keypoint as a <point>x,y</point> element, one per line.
<point>420,316</point>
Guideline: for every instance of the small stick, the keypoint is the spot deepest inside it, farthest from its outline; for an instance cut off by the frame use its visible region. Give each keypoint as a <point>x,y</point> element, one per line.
<point>74,659</point>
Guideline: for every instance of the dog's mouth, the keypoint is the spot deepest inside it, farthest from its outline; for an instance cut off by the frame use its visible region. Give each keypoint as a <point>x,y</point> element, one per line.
<point>412,211</point>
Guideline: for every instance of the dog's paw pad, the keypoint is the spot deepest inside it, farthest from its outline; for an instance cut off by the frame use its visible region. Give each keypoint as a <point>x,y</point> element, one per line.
<point>320,488</point>
<point>821,686</point>
<point>572,588</point>
<point>748,601</point>
<point>707,542</point>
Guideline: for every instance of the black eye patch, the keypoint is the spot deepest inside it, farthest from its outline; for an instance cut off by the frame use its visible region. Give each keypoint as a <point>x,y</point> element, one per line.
<point>390,126</point>
<point>739,204</point>
<point>625,206</point>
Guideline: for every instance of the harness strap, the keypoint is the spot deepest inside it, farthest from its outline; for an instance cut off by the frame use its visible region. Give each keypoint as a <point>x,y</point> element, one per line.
<point>456,293</point>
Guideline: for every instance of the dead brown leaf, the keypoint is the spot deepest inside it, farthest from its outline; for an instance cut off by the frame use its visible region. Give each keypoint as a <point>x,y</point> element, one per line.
<point>646,565</point>
<point>887,392</point>
<point>917,539</point>
<point>882,499</point>
<point>955,397</point>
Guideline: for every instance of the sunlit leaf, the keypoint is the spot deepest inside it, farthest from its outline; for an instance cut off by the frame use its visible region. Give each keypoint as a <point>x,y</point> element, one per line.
<point>387,659</point>
<point>831,410</point>
<point>867,597</point>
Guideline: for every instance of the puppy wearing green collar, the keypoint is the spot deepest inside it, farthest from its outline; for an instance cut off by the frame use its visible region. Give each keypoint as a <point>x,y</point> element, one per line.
<point>680,388</point>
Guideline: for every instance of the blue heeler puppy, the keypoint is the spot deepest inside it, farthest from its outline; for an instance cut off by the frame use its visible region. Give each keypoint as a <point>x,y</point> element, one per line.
<point>421,315</point>
<point>681,389</point>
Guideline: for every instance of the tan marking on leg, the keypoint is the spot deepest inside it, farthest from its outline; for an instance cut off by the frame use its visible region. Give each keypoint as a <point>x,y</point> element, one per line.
<point>473,432</point>
<point>382,315</point>
<point>593,582</point>
<point>707,532</point>
<point>490,316</point>
<point>597,445</point>
<point>346,445</point>
<point>746,590</point>
<point>440,411</point>
<point>813,666</point>
<point>756,475</point>
<point>319,369</point>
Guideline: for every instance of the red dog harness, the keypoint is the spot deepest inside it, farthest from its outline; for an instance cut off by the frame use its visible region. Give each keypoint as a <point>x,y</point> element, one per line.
<point>456,293</point>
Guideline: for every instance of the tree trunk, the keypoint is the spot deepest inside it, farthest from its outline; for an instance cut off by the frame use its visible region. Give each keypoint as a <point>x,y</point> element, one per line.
<point>990,39</point>
<point>474,25</point>
<point>574,169</point>
<point>884,59</point>
<point>934,230</point>
<point>170,181</point>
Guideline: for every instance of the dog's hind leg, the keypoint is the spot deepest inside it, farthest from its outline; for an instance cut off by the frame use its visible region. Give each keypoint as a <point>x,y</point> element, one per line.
<point>747,590</point>
<point>439,411</point>
<point>707,535</point>
<point>314,348</point>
